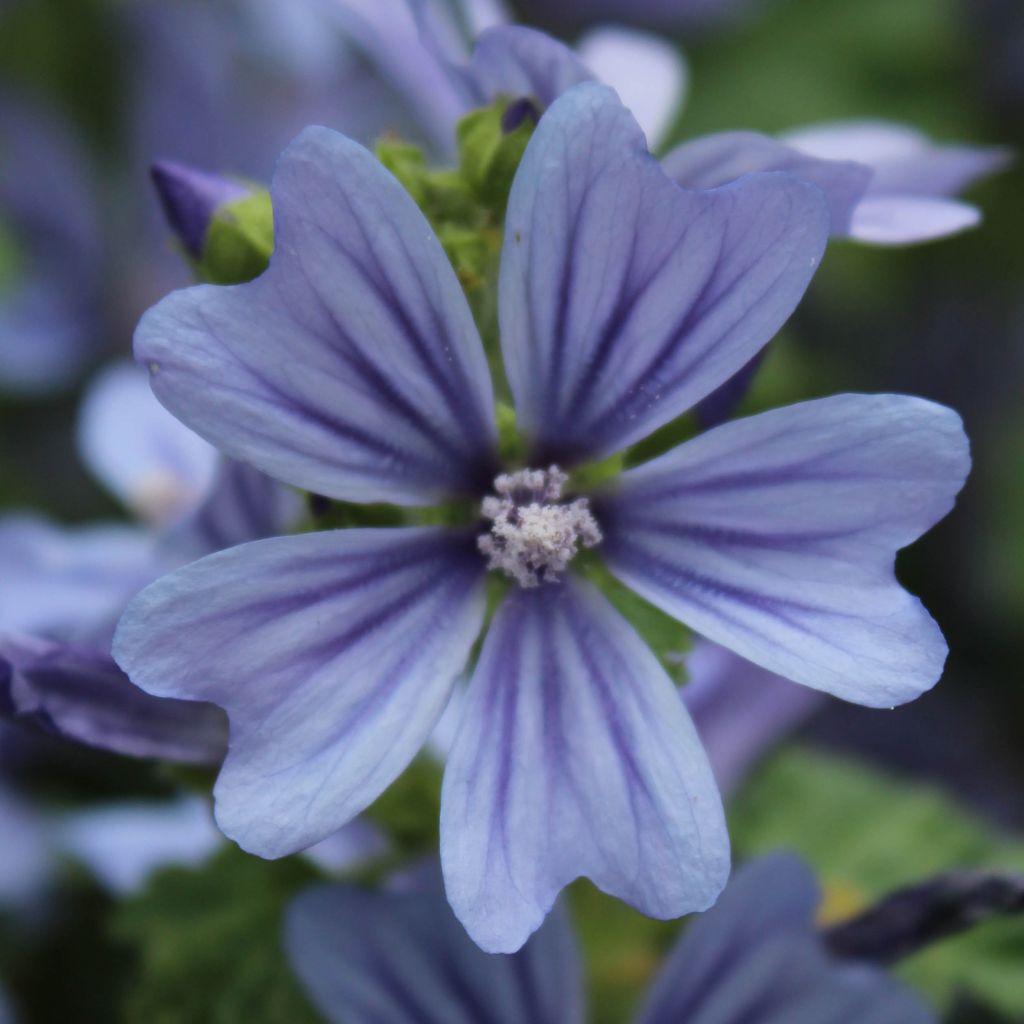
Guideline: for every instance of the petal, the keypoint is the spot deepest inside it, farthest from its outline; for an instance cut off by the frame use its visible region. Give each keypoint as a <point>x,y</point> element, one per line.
<point>775,536</point>
<point>333,655</point>
<point>511,60</point>
<point>713,160</point>
<point>755,955</point>
<point>242,505</point>
<point>575,757</point>
<point>154,464</point>
<point>626,299</point>
<point>352,367</point>
<point>70,583</point>
<point>740,710</point>
<point>905,161</point>
<point>83,696</point>
<point>123,844</point>
<point>649,74</point>
<point>401,957</point>
<point>903,220</point>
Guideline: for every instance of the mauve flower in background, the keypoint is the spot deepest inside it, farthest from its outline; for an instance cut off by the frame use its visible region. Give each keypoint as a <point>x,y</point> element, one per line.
<point>51,249</point>
<point>755,958</point>
<point>64,588</point>
<point>352,368</point>
<point>443,66</point>
<point>887,184</point>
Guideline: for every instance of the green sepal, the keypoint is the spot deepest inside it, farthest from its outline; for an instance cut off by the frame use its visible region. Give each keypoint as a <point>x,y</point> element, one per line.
<point>489,156</point>
<point>239,240</point>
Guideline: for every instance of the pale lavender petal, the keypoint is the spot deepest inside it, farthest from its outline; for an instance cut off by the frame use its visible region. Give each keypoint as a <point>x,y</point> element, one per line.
<point>369,957</point>
<point>755,956</point>
<point>517,61</point>
<point>575,757</point>
<point>904,220</point>
<point>649,73</point>
<point>70,583</point>
<point>904,160</point>
<point>352,367</point>
<point>123,844</point>
<point>81,695</point>
<point>242,505</point>
<point>625,299</point>
<point>740,710</point>
<point>713,160</point>
<point>776,535</point>
<point>146,458</point>
<point>333,655</point>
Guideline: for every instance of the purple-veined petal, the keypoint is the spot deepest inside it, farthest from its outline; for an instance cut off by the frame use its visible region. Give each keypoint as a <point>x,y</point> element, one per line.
<point>575,757</point>
<point>625,299</point>
<point>352,367</point>
<point>755,956</point>
<point>80,694</point>
<point>70,583</point>
<point>333,655</point>
<point>713,160</point>
<point>401,957</point>
<point>739,709</point>
<point>243,504</point>
<point>512,60</point>
<point>154,464</point>
<point>648,72</point>
<point>904,220</point>
<point>123,844</point>
<point>904,160</point>
<point>775,536</point>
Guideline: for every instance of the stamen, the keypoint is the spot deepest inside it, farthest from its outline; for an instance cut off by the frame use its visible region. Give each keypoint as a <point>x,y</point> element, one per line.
<point>533,538</point>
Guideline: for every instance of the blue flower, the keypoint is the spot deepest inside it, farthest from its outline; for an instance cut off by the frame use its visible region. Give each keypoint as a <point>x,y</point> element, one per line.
<point>64,588</point>
<point>352,368</point>
<point>400,957</point>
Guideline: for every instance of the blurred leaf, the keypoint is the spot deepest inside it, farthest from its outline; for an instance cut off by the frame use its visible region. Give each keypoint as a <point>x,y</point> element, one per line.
<point>209,943</point>
<point>867,832</point>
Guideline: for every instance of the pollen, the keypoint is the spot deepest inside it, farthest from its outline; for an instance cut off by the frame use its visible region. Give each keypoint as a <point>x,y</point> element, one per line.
<point>533,535</point>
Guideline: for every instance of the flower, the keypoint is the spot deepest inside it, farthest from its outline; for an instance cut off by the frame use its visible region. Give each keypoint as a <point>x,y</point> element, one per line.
<point>352,368</point>
<point>64,588</point>
<point>755,958</point>
<point>887,184</point>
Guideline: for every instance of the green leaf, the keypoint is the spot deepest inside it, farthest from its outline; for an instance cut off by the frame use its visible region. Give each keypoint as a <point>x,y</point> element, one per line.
<point>867,833</point>
<point>489,156</point>
<point>239,240</point>
<point>209,943</point>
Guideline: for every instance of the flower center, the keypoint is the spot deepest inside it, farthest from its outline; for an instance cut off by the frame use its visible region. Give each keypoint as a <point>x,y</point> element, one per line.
<point>533,538</point>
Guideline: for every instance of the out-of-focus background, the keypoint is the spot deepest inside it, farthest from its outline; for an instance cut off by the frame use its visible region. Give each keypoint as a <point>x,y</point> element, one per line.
<point>93,91</point>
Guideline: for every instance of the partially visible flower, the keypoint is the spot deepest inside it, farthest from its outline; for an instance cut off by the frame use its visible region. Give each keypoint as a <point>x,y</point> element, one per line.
<point>740,710</point>
<point>886,183</point>
<point>353,368</point>
<point>51,250</point>
<point>755,958</point>
<point>64,588</point>
<point>419,47</point>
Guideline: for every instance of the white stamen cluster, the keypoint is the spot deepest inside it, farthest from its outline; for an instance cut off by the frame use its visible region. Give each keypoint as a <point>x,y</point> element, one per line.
<point>533,538</point>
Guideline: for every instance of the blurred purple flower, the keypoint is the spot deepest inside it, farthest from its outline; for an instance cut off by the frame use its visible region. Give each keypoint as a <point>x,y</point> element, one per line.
<point>353,369</point>
<point>755,958</point>
<point>886,183</point>
<point>50,308</point>
<point>419,47</point>
<point>740,710</point>
<point>64,589</point>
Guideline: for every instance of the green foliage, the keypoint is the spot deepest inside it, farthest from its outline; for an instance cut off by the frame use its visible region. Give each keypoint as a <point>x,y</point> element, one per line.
<point>489,156</point>
<point>867,833</point>
<point>209,944</point>
<point>239,240</point>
